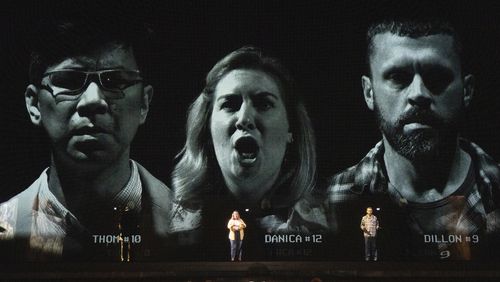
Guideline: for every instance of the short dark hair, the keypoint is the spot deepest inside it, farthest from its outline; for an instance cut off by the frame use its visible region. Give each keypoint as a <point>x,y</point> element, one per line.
<point>414,29</point>
<point>54,40</point>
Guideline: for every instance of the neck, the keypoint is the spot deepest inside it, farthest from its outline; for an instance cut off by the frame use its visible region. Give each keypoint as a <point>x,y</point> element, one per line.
<point>430,180</point>
<point>246,196</point>
<point>251,191</point>
<point>77,187</point>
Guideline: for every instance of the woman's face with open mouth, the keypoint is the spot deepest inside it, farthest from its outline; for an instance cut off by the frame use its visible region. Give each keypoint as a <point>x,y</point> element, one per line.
<point>250,131</point>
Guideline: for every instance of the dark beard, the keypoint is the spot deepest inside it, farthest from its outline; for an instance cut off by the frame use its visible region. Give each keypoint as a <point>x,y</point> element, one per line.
<point>420,145</point>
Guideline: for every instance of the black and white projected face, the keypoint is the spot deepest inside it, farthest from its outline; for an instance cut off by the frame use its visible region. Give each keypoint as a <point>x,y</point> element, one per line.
<point>250,132</point>
<point>418,91</point>
<point>93,127</point>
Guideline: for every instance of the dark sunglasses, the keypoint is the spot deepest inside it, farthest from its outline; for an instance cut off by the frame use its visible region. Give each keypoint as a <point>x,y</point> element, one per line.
<point>71,83</point>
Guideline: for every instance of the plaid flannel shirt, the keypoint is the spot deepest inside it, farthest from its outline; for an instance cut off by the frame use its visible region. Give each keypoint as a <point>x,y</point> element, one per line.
<point>369,179</point>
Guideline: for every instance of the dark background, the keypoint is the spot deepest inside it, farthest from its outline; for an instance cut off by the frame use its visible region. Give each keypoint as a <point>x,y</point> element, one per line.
<point>321,42</point>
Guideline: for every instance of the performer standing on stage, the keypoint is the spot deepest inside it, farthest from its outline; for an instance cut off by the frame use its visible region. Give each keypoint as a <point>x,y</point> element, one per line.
<point>236,234</point>
<point>369,226</point>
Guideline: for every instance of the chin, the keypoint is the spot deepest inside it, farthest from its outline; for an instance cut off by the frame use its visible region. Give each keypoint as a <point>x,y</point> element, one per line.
<point>239,171</point>
<point>243,179</point>
<point>420,152</point>
<point>418,147</point>
<point>91,159</point>
<point>246,193</point>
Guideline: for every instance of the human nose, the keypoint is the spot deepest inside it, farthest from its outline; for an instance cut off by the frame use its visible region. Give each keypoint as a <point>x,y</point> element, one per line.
<point>419,94</point>
<point>92,101</point>
<point>246,117</point>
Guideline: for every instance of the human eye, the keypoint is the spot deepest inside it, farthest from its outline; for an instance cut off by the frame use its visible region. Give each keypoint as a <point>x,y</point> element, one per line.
<point>230,104</point>
<point>399,78</point>
<point>263,102</point>
<point>118,80</point>
<point>436,80</point>
<point>67,80</point>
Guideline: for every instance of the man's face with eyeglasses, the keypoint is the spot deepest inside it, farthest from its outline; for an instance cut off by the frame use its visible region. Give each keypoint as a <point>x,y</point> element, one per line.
<point>91,105</point>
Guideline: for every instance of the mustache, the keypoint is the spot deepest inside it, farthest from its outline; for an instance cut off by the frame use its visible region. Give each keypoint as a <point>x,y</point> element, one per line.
<point>89,130</point>
<point>416,115</point>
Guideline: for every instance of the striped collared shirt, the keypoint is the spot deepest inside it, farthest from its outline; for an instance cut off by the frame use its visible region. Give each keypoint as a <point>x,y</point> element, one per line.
<point>51,220</point>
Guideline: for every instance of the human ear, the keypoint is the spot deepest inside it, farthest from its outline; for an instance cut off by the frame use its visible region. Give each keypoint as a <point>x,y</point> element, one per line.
<point>31,98</point>
<point>367,91</point>
<point>147,96</point>
<point>468,89</point>
<point>289,137</point>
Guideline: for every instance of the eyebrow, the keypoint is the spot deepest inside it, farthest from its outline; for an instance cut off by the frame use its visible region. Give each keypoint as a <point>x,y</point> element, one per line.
<point>422,67</point>
<point>118,67</point>
<point>397,68</point>
<point>265,94</point>
<point>84,62</point>
<point>258,94</point>
<point>437,67</point>
<point>84,68</point>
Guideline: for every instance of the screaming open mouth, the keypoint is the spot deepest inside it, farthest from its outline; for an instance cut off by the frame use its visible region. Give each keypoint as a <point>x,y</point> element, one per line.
<point>247,149</point>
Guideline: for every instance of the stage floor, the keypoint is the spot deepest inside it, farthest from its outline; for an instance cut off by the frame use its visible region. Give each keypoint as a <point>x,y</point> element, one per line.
<point>253,271</point>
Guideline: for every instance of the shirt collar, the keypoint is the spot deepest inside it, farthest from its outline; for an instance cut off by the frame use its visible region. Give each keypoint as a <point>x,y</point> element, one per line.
<point>372,175</point>
<point>370,171</point>
<point>487,173</point>
<point>48,203</point>
<point>128,198</point>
